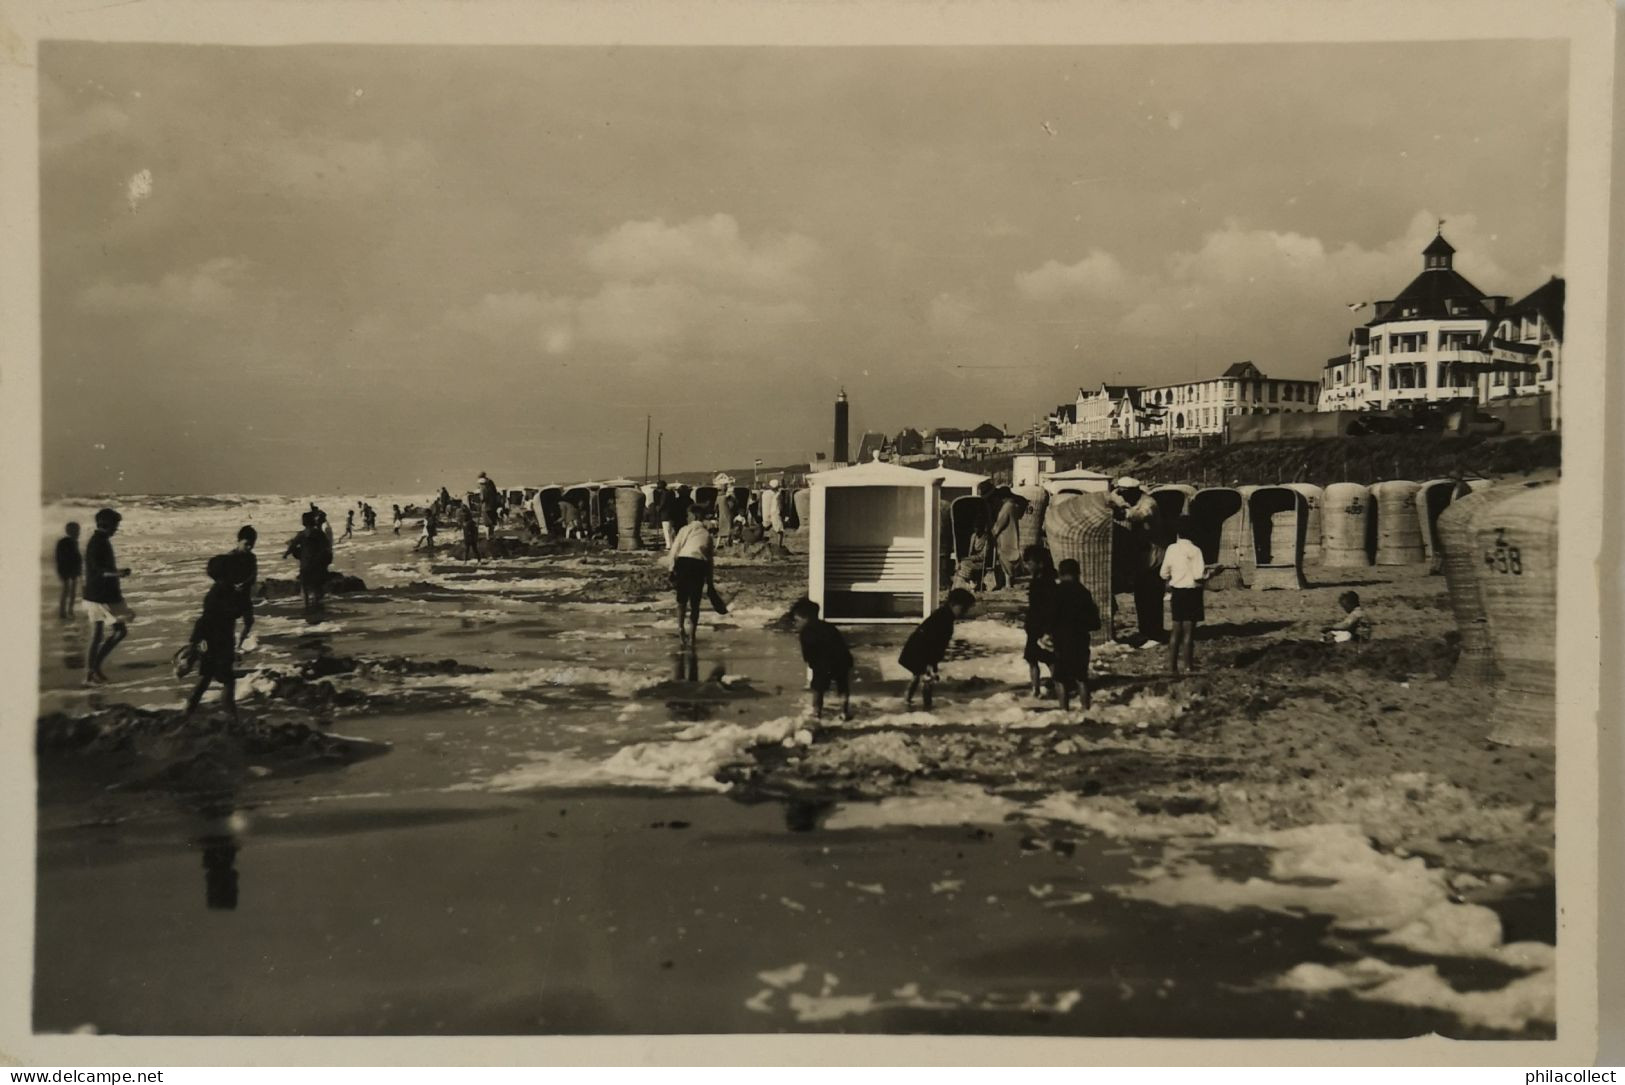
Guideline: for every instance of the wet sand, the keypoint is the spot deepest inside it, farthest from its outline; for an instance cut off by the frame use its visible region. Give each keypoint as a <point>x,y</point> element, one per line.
<point>576,828</point>
<point>541,915</point>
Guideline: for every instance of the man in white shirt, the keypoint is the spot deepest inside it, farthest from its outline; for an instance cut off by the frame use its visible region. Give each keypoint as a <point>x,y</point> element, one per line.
<point>1184,570</point>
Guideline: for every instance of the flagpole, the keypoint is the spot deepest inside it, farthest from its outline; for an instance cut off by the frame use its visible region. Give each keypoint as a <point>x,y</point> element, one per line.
<point>647,420</point>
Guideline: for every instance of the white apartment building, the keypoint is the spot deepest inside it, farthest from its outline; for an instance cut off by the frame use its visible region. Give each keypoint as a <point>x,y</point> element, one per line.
<point>1200,407</point>
<point>1442,340</point>
<point>1102,414</point>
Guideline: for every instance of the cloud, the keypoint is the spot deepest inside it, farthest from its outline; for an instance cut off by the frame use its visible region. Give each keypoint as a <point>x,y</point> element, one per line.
<point>1241,278</point>
<point>1261,293</point>
<point>697,286</point>
<point>709,251</point>
<point>1097,275</point>
<point>213,288</point>
<point>546,322</point>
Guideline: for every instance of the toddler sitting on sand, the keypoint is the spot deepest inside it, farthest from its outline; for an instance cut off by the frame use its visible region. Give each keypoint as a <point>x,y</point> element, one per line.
<point>1355,626</point>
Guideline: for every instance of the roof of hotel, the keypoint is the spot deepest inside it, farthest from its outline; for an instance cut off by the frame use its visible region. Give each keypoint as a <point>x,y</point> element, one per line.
<point>1436,294</point>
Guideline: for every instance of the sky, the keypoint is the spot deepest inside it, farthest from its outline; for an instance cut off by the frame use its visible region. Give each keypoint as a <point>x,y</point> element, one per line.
<point>377,269</point>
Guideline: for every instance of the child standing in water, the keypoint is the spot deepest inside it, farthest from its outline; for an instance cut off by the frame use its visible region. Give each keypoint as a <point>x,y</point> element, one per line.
<point>430,525</point>
<point>315,554</point>
<point>1074,616</point>
<point>1355,626</point>
<point>69,566</point>
<point>1040,615</point>
<point>229,598</point>
<point>471,533</point>
<point>928,645</point>
<point>105,608</point>
<point>825,652</point>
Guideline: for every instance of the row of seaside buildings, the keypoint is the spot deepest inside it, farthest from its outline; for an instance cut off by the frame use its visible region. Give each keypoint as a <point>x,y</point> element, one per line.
<point>1439,341</point>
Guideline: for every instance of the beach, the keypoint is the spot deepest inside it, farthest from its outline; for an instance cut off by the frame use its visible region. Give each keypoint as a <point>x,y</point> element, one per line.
<point>497,798</point>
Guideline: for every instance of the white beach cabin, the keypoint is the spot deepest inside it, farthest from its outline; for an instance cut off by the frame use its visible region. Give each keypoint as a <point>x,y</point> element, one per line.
<point>873,540</point>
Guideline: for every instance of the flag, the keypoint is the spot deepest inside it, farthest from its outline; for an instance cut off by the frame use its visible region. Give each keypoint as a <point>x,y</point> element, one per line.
<point>758,463</point>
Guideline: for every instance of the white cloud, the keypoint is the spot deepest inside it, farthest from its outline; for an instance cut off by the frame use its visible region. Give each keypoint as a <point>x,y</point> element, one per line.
<point>1242,279</point>
<point>214,287</point>
<point>709,251</point>
<point>1246,292</point>
<point>698,285</point>
<point>1097,275</point>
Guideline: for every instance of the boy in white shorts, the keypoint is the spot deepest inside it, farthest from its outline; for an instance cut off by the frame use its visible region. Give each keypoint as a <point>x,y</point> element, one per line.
<point>105,608</point>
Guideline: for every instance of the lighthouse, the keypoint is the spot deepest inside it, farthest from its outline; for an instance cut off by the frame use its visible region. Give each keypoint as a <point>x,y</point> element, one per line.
<point>840,430</point>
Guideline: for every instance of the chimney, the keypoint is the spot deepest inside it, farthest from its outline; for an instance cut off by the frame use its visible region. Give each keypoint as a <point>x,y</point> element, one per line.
<point>840,428</point>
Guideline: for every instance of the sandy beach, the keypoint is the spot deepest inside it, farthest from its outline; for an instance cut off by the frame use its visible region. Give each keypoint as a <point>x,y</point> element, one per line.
<point>476,774</point>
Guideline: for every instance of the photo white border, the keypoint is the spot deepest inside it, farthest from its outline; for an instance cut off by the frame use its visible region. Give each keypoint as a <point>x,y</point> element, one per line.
<point>1588,27</point>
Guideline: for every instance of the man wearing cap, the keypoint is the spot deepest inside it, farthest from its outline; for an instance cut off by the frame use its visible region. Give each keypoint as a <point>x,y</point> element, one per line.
<point>1142,543</point>
<point>105,608</point>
